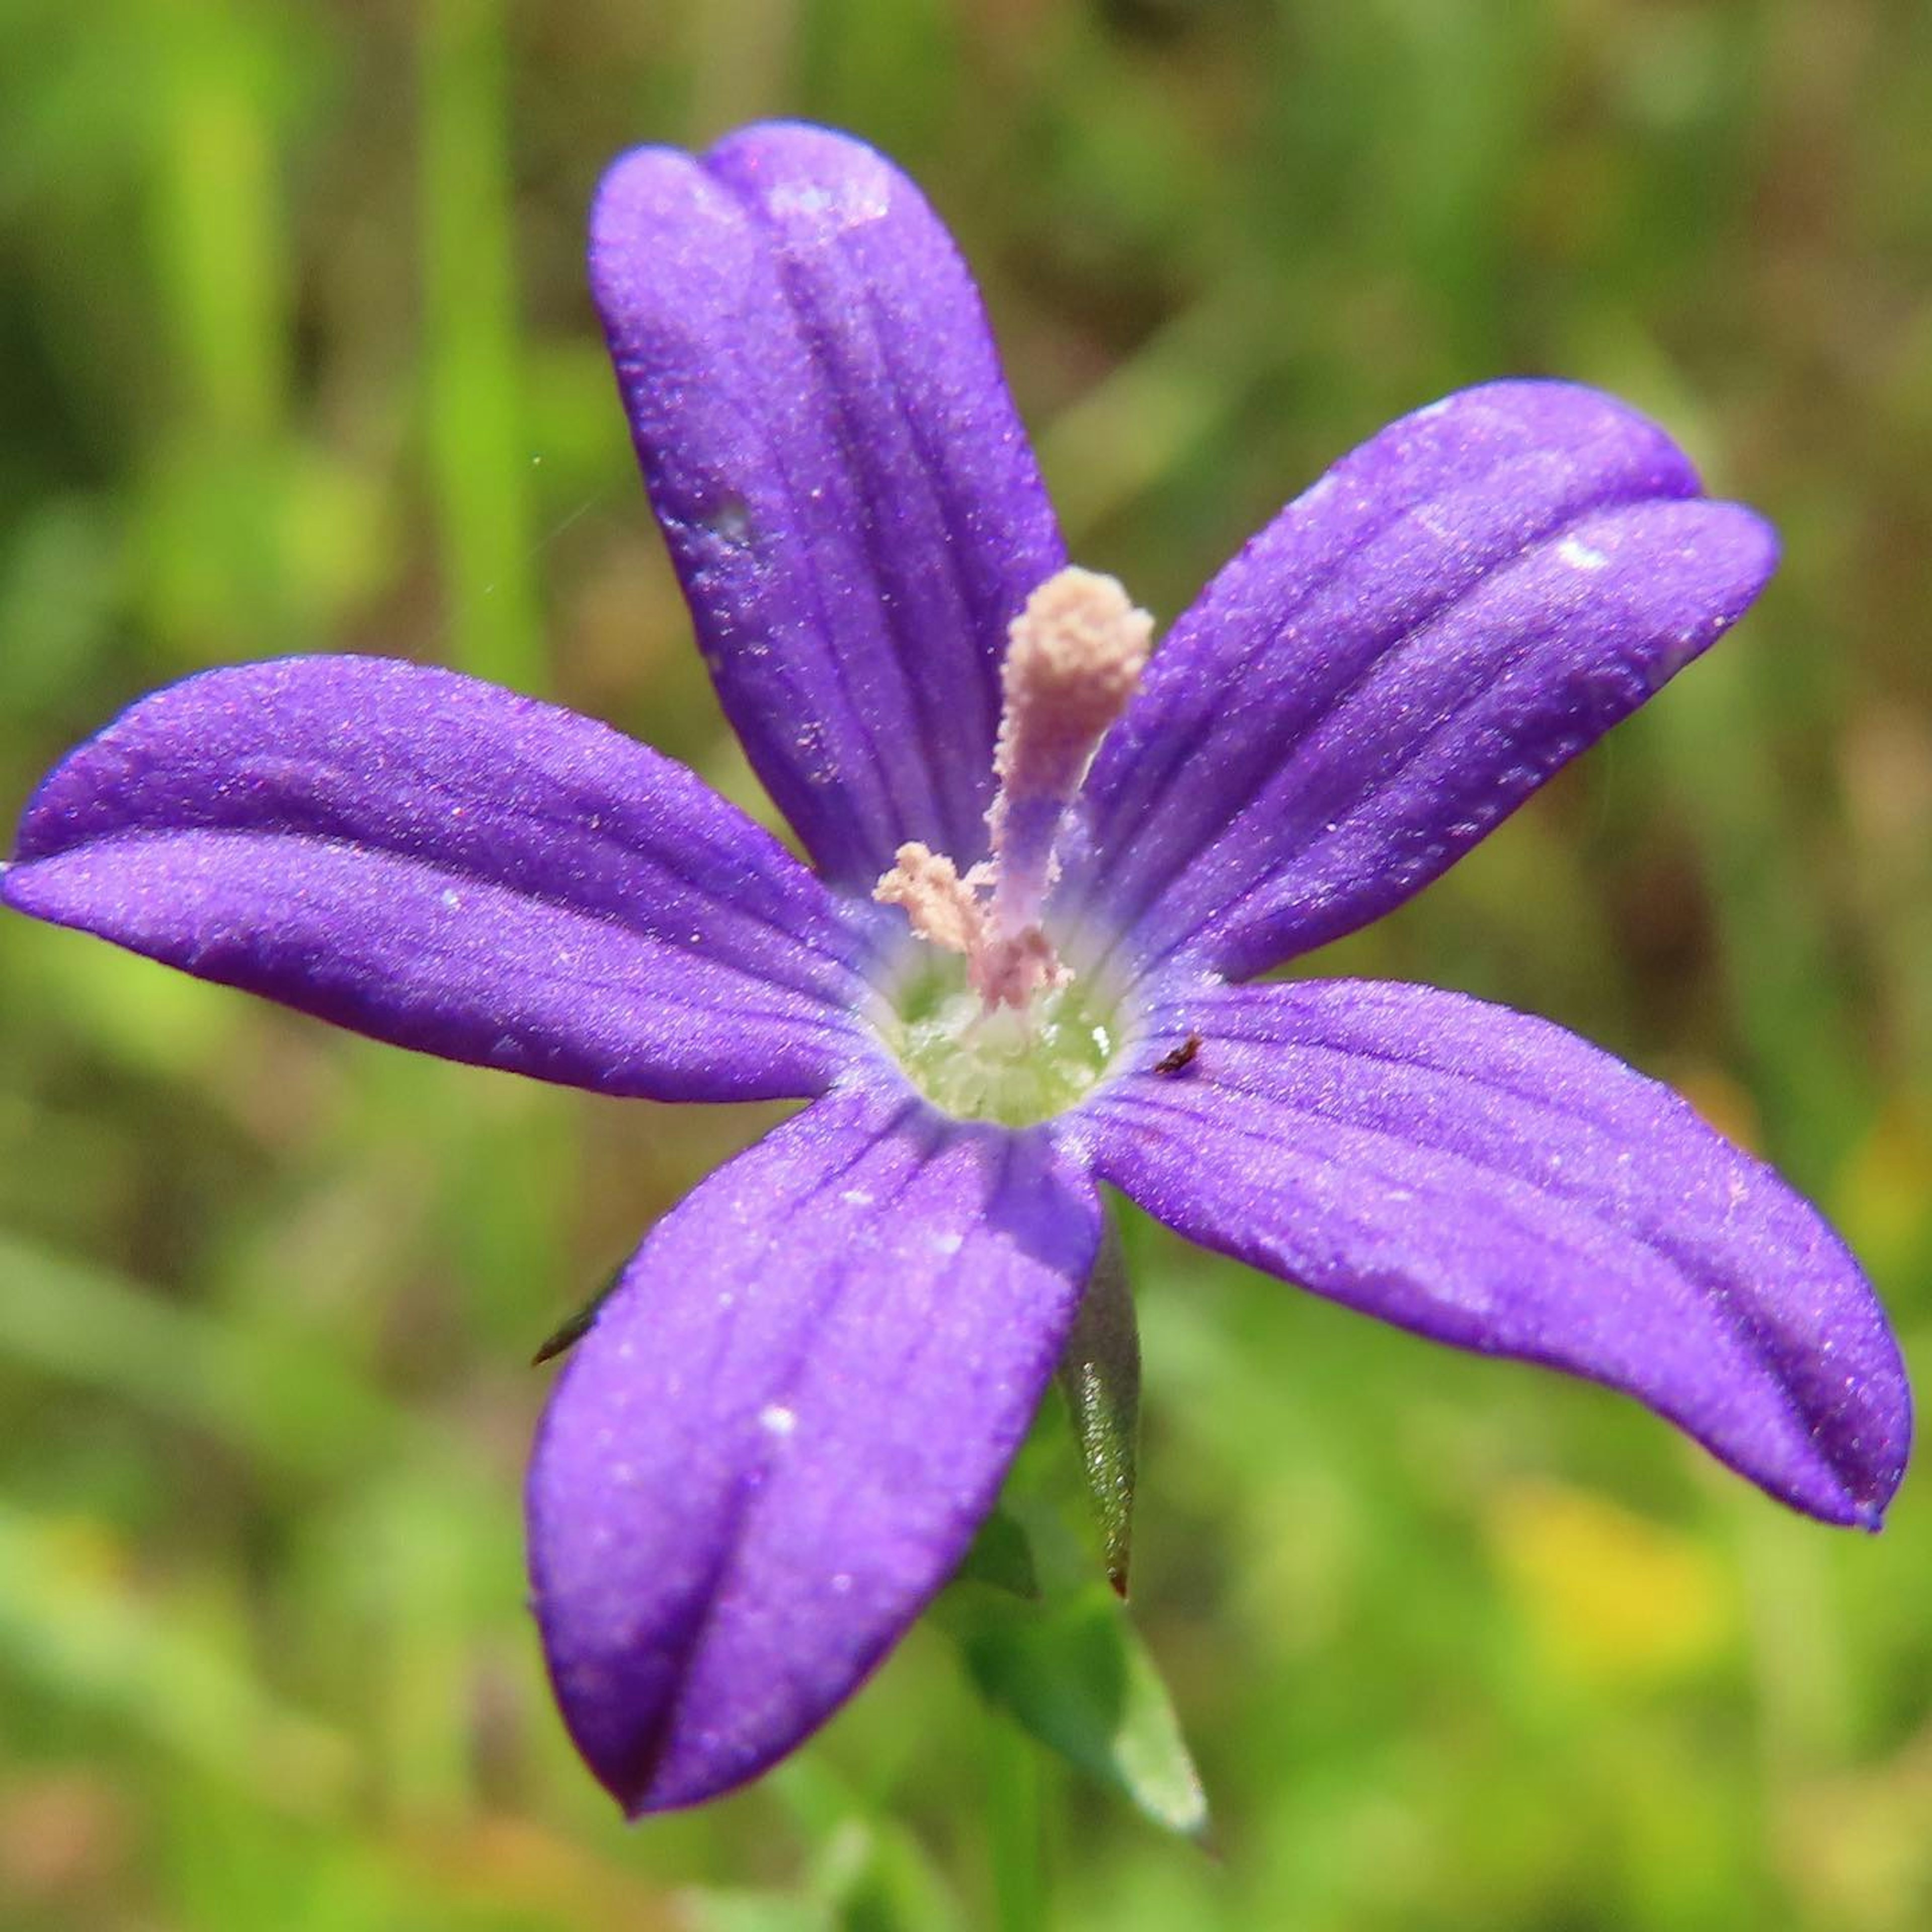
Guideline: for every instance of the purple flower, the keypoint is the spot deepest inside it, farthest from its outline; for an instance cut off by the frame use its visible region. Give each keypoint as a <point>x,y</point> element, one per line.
<point>778,1439</point>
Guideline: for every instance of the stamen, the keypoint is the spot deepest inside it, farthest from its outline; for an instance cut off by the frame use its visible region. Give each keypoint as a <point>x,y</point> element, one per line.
<point>1074,659</point>
<point>941,909</point>
<point>939,904</point>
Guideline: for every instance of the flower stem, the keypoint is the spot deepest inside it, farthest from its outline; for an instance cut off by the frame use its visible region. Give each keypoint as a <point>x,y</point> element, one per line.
<point>1016,1841</point>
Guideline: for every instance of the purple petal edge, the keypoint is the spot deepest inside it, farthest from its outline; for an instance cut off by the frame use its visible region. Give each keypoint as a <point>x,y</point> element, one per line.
<point>438,863</point>
<point>1412,647</point>
<point>1489,1180</point>
<point>779,1437</point>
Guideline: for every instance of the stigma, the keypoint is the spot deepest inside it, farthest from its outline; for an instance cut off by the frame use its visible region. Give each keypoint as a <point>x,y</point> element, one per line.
<point>1075,655</point>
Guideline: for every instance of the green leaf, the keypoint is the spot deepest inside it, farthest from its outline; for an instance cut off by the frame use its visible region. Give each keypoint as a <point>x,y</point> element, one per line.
<point>1075,1674</point>
<point>1100,1374</point>
<point>1001,1556</point>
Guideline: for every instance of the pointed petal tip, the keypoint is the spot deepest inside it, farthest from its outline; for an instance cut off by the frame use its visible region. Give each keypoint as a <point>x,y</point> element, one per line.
<point>662,1788</point>
<point>1751,550</point>
<point>1770,545</point>
<point>1867,1511</point>
<point>648,1758</point>
<point>1863,1430</point>
<point>1857,1504</point>
<point>1847,1511</point>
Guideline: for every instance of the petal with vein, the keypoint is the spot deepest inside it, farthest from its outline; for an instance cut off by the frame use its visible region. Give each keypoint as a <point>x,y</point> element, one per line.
<point>1396,663</point>
<point>1490,1180</point>
<point>850,500</point>
<point>438,863</point>
<point>777,1440</point>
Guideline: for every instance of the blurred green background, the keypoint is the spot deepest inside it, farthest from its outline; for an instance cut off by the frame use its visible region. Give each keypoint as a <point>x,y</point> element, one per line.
<point>296,355</point>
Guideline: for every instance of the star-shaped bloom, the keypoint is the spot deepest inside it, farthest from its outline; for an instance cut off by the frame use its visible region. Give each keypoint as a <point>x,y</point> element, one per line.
<point>1022,960</point>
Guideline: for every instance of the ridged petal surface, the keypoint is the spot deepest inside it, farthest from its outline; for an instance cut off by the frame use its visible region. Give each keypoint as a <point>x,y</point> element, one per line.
<point>850,500</point>
<point>778,1439</point>
<point>1394,664</point>
<point>1490,1180</point>
<point>436,862</point>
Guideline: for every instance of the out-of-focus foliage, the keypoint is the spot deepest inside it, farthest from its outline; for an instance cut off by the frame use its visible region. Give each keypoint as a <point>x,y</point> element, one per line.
<point>296,356</point>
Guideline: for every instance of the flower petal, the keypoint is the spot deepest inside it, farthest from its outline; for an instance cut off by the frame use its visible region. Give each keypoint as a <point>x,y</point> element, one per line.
<point>1490,1180</point>
<point>849,498</point>
<point>777,1439</point>
<point>437,863</point>
<point>1396,662</point>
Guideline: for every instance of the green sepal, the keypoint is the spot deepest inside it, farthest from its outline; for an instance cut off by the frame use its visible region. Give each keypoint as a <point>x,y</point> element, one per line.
<point>1074,1674</point>
<point>1100,1374</point>
<point>568,1333</point>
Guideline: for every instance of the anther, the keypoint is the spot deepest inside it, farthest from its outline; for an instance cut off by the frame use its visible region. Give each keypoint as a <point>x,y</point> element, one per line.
<point>939,904</point>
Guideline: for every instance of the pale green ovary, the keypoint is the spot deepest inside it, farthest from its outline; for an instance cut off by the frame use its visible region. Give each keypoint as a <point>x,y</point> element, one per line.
<point>1015,1066</point>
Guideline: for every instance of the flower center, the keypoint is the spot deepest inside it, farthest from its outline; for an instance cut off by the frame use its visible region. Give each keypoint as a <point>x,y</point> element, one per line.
<point>1011,1064</point>
<point>1005,1034</point>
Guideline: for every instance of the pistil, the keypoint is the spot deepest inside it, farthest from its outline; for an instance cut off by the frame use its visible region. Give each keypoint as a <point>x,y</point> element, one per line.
<point>1074,658</point>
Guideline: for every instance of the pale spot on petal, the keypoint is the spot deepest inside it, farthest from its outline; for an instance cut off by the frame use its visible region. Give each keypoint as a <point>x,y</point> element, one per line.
<point>1578,556</point>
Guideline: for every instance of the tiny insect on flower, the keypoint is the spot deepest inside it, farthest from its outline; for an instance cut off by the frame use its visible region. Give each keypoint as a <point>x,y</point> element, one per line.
<point>1177,1058</point>
<point>1038,853</point>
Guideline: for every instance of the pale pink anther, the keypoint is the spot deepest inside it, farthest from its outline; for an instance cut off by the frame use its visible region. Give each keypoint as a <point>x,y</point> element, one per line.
<point>939,904</point>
